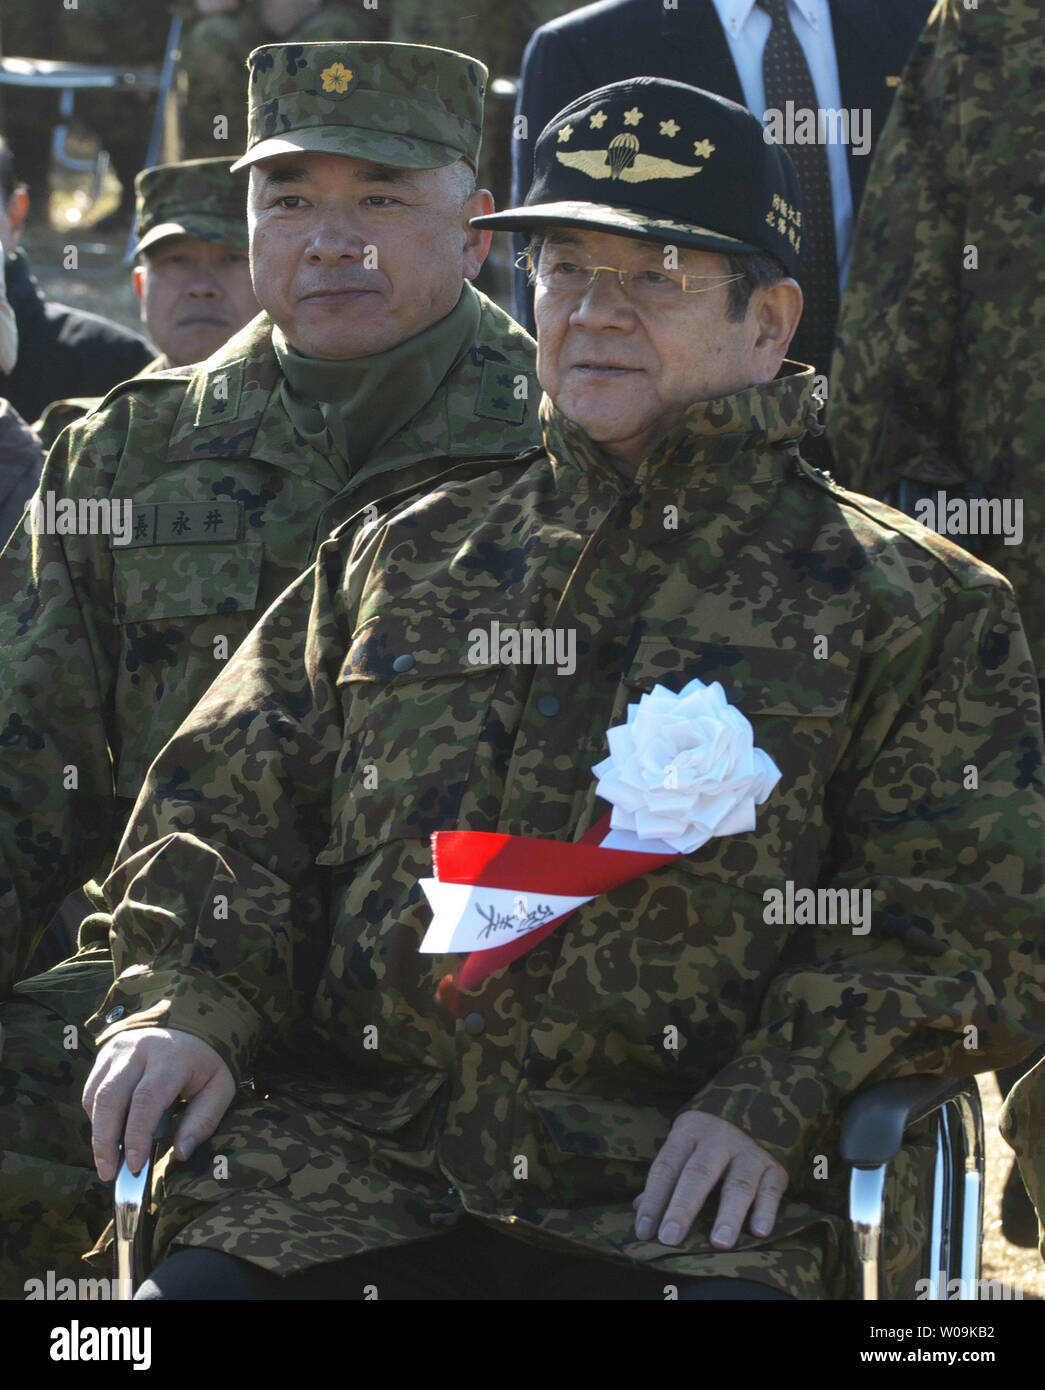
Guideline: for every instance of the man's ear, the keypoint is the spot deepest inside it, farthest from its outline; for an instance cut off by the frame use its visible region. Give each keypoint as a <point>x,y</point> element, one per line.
<point>17,211</point>
<point>776,310</point>
<point>138,281</point>
<point>476,240</point>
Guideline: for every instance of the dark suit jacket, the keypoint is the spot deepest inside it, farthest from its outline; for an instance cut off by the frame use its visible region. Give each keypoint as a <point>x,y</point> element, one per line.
<point>63,351</point>
<point>21,460</point>
<point>617,39</point>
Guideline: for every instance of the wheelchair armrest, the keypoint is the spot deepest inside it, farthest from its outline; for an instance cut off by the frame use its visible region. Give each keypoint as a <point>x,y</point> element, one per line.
<point>872,1135</point>
<point>875,1120</point>
<point>131,1198</point>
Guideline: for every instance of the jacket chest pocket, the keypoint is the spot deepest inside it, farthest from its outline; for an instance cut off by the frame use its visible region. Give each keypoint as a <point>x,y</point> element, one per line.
<point>796,706</point>
<point>183,611</point>
<point>417,717</point>
<point>153,583</point>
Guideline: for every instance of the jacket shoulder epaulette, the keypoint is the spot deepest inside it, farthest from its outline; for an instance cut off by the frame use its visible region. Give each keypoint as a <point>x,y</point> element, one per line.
<point>965,569</point>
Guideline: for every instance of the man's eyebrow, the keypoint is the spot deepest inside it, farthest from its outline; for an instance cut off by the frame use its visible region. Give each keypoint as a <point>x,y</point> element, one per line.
<point>386,173</point>
<point>288,174</point>
<point>567,236</point>
<point>561,236</point>
<point>284,174</point>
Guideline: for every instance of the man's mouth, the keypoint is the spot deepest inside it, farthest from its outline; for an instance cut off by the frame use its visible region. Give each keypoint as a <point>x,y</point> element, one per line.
<point>600,367</point>
<point>339,295</point>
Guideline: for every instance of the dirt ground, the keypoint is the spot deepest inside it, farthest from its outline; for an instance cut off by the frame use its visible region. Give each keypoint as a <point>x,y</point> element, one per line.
<point>102,284</point>
<point>1024,1269</point>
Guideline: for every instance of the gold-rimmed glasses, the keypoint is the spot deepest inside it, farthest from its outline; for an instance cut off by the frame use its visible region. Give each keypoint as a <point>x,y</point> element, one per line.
<point>559,271</point>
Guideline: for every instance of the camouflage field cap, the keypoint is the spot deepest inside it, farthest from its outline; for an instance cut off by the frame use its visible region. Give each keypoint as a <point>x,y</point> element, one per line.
<point>198,197</point>
<point>394,103</point>
<point>665,162</point>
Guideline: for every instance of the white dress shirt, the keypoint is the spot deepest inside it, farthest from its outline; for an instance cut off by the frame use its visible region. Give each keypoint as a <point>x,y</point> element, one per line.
<point>747,29</point>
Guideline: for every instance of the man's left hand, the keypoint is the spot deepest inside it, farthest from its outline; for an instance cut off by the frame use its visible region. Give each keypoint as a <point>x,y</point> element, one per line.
<point>697,1152</point>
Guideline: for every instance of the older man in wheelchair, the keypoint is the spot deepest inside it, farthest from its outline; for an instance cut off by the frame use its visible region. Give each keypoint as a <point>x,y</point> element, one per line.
<point>523,906</point>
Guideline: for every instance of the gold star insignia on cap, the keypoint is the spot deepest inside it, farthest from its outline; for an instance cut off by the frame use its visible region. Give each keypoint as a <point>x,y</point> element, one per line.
<point>669,128</point>
<point>598,120</point>
<point>703,149</point>
<point>336,78</point>
<point>633,116</point>
<point>565,133</point>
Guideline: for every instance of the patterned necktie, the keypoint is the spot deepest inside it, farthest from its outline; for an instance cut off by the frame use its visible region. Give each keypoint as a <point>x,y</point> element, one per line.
<point>787,78</point>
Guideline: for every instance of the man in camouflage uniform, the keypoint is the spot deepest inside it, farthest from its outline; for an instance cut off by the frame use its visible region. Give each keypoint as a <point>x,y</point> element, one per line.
<point>376,369</point>
<point>192,271</point>
<point>938,382</point>
<point>192,275</point>
<point>555,1131</point>
<point>939,376</point>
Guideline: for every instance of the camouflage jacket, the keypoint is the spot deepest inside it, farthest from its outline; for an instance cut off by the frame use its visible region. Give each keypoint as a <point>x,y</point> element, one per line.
<point>107,648</point>
<point>940,371</point>
<point>267,898</point>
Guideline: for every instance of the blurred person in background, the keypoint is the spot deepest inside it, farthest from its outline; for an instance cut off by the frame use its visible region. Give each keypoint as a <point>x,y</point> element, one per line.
<point>938,383</point>
<point>61,351</point>
<point>191,273</point>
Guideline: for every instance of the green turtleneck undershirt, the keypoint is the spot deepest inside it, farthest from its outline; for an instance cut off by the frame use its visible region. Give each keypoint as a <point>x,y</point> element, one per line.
<point>351,407</point>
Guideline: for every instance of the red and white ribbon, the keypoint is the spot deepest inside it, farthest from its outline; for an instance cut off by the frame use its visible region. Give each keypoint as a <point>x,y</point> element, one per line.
<point>497,896</point>
<point>684,766</point>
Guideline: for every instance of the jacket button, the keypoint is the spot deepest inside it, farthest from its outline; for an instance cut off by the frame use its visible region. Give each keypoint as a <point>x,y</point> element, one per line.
<point>474,1023</point>
<point>114,1015</point>
<point>403,663</point>
<point>548,705</point>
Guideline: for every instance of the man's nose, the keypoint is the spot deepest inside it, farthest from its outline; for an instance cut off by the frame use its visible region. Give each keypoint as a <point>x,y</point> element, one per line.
<point>334,239</point>
<point>604,303</point>
<point>206,285</point>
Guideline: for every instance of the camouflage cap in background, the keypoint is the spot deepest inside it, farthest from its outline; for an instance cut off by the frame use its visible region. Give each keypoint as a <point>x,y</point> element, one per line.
<point>198,197</point>
<point>393,103</point>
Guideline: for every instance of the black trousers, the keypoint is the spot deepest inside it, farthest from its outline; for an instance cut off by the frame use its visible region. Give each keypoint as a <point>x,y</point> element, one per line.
<point>471,1262</point>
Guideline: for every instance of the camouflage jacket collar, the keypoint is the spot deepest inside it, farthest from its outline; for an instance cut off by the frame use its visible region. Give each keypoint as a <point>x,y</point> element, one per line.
<point>232,407</point>
<point>730,441</point>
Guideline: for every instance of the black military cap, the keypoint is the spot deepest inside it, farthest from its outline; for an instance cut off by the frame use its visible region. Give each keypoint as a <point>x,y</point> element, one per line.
<point>665,162</point>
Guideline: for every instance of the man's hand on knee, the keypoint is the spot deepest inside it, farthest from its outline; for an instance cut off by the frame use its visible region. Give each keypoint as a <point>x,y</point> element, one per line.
<point>697,1152</point>
<point>137,1075</point>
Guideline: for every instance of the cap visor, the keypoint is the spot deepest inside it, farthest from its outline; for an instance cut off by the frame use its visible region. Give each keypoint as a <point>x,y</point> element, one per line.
<point>604,218</point>
<point>379,147</point>
<point>224,233</point>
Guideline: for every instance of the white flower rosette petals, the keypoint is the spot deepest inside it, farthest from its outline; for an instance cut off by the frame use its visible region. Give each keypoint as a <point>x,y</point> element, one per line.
<point>684,768</point>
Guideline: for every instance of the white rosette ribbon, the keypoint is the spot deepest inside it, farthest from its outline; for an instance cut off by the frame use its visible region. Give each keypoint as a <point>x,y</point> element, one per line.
<point>682,769</point>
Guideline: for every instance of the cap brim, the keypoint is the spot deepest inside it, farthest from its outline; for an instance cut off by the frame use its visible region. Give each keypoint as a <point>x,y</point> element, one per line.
<point>604,218</point>
<point>224,233</point>
<point>379,147</point>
